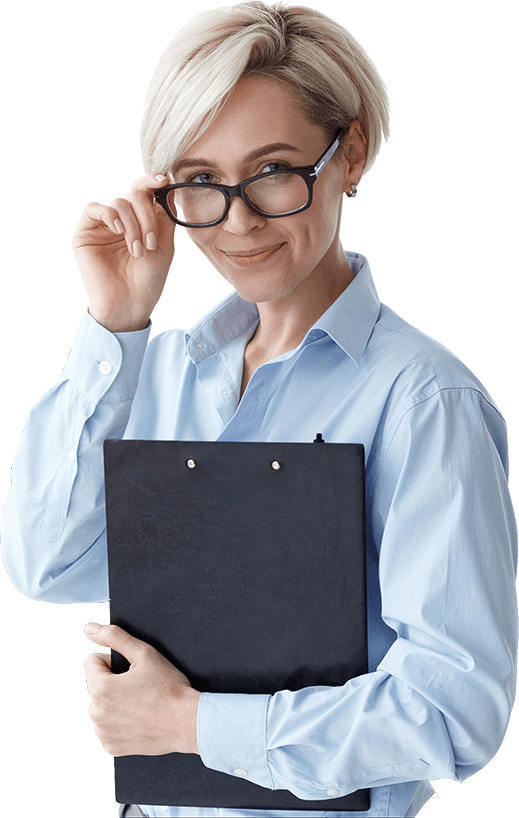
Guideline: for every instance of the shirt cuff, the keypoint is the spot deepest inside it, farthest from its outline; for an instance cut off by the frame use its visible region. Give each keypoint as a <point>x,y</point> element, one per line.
<point>103,365</point>
<point>231,733</point>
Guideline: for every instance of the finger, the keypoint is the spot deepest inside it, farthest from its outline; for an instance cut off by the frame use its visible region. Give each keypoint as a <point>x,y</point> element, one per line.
<point>142,192</point>
<point>111,636</point>
<point>98,664</point>
<point>133,230</point>
<point>151,181</point>
<point>143,206</point>
<point>109,216</point>
<point>138,218</point>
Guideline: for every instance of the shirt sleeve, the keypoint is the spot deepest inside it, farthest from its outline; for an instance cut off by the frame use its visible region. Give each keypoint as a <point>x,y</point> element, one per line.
<point>53,531</point>
<point>438,704</point>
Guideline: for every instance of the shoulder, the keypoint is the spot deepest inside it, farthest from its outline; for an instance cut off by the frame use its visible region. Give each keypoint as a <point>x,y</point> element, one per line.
<point>431,401</point>
<point>417,361</point>
<point>424,389</point>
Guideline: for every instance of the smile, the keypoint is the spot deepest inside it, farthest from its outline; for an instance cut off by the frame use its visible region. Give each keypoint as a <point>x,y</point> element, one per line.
<point>246,258</point>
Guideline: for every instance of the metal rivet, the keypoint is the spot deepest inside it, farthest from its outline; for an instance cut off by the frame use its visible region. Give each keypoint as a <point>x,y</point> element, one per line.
<point>191,464</point>
<point>276,465</point>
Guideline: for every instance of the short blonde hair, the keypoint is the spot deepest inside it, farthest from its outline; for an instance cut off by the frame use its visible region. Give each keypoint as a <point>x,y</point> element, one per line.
<point>335,79</point>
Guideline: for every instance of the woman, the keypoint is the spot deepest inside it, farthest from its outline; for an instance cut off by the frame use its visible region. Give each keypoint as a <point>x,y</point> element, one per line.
<point>303,345</point>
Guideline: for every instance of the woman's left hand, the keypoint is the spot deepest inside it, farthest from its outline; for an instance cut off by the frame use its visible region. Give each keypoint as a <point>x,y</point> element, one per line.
<point>149,710</point>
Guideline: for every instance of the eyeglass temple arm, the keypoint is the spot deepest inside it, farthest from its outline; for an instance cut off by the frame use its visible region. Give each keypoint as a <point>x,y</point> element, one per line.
<point>327,155</point>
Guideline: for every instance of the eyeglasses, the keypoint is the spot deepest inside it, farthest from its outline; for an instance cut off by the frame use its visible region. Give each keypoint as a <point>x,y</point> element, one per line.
<point>273,195</point>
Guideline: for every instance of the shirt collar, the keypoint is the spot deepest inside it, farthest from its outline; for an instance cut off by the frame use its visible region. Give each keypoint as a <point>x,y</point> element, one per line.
<point>349,321</point>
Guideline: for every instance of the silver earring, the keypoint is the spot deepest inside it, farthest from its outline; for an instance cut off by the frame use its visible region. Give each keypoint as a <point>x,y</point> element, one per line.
<point>353,192</point>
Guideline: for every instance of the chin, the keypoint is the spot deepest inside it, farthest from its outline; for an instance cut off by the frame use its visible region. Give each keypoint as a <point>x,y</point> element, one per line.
<point>264,278</point>
<point>262,294</point>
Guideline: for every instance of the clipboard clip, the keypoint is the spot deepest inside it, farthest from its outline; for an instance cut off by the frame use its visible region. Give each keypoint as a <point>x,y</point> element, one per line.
<point>319,438</point>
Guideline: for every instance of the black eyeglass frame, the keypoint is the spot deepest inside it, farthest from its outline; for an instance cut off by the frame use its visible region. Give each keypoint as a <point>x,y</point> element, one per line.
<point>307,172</point>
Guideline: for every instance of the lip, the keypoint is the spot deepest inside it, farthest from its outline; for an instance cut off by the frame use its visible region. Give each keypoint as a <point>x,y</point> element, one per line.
<point>245,258</point>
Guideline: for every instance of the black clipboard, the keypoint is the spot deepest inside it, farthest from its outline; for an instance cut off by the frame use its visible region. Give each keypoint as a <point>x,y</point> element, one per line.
<point>244,564</point>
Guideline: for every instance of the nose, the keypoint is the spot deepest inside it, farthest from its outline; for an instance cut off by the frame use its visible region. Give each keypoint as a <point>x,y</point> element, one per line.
<point>241,219</point>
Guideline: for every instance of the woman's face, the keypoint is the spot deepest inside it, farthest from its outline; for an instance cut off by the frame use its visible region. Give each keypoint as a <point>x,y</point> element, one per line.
<point>268,259</point>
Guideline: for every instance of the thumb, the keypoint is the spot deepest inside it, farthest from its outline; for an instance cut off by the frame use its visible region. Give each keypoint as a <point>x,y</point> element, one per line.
<point>112,636</point>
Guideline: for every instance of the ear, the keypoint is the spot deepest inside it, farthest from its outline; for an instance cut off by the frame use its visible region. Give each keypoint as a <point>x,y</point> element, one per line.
<point>354,155</point>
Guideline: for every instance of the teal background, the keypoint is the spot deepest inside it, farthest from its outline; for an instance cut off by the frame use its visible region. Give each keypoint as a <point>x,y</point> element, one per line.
<point>434,217</point>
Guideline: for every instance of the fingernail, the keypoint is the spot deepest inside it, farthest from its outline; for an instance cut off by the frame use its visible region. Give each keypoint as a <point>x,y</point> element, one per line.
<point>161,178</point>
<point>119,226</point>
<point>151,241</point>
<point>137,248</point>
<point>92,627</point>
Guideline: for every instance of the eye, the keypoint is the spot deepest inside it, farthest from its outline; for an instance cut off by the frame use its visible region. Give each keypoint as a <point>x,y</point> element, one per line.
<point>273,167</point>
<point>202,179</point>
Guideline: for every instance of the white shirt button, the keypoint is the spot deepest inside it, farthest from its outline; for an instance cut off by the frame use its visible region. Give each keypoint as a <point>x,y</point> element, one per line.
<point>71,455</point>
<point>105,367</point>
<point>240,771</point>
<point>332,792</point>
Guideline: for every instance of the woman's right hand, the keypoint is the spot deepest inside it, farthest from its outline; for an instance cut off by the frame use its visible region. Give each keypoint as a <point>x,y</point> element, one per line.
<point>124,251</point>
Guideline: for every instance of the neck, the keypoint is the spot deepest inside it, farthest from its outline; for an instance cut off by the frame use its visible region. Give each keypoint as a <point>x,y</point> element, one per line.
<point>284,322</point>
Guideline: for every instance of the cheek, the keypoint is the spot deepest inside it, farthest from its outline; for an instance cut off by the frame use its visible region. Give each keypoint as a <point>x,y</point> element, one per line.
<point>203,240</point>
<point>197,236</point>
<point>320,228</point>
<point>207,244</point>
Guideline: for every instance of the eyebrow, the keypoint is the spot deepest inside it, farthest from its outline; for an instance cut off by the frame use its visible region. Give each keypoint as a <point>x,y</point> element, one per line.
<point>257,154</point>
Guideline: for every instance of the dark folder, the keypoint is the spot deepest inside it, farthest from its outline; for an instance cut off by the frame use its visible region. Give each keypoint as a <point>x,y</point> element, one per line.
<point>244,565</point>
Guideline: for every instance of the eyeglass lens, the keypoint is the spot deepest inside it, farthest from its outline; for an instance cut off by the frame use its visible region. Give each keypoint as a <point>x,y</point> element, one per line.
<point>274,195</point>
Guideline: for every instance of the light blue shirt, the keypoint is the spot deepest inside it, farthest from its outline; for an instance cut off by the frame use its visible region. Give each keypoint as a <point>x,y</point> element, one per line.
<point>442,545</point>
